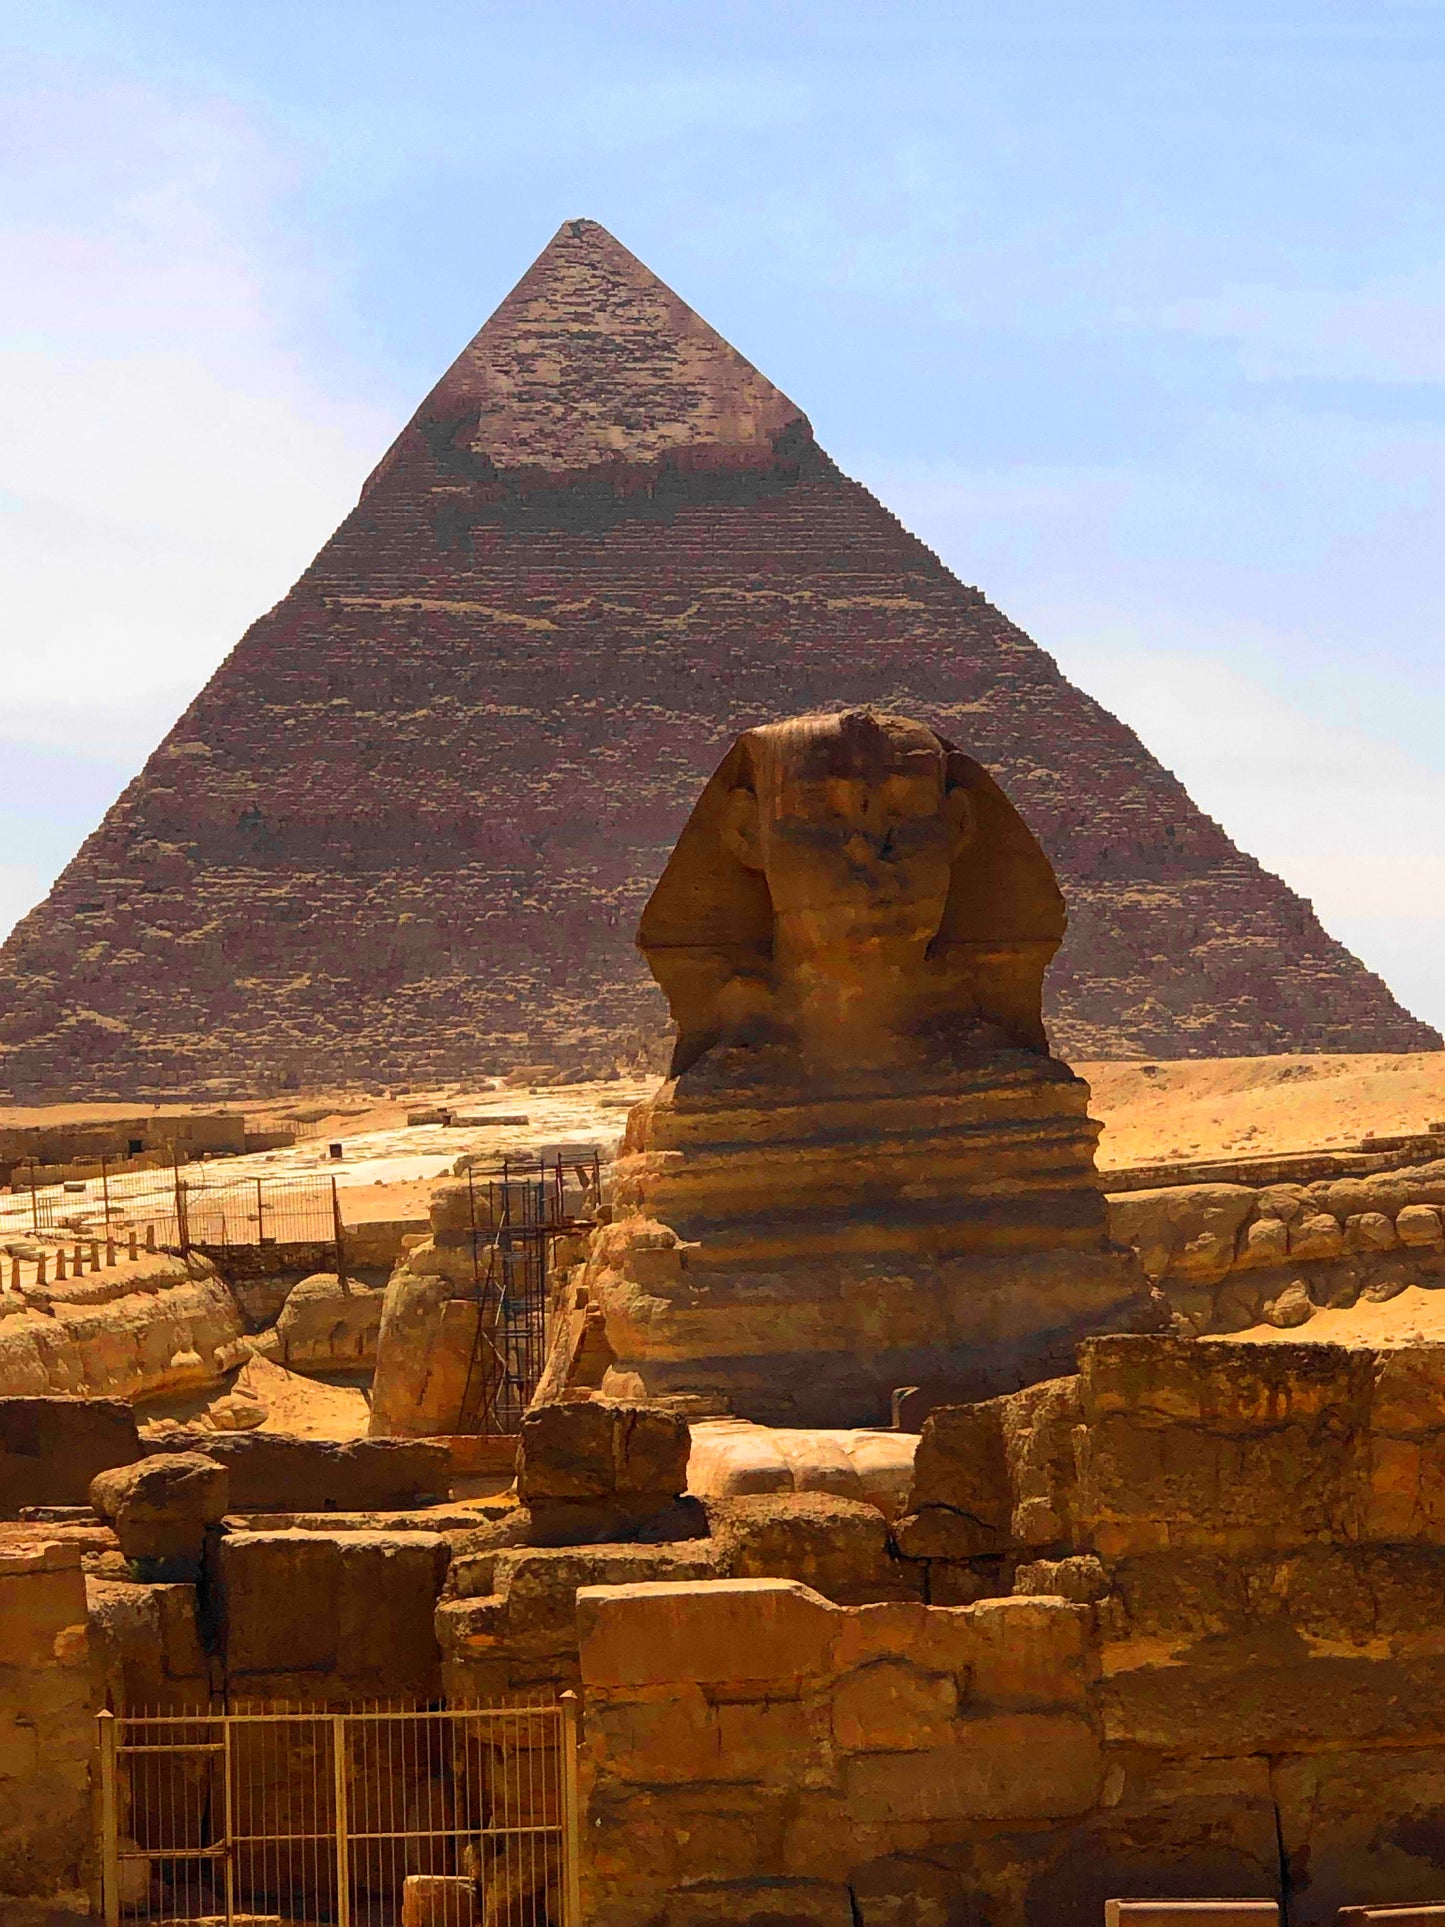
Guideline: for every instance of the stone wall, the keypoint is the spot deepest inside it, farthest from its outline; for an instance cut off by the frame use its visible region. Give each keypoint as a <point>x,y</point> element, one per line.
<point>48,1702</point>
<point>1227,1256</point>
<point>754,1753</point>
<point>1182,1639</point>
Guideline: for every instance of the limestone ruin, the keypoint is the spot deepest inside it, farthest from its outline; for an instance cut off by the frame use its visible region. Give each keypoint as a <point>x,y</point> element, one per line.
<point>835,1509</point>
<point>866,1171</point>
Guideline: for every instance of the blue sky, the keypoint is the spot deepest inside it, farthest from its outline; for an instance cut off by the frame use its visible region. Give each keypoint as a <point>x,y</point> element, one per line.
<point>1136,312</point>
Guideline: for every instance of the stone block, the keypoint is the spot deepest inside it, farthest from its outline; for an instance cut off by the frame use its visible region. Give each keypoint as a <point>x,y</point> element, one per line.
<point>161,1508</point>
<point>1191,1913</point>
<point>960,1470</point>
<point>356,1607</point>
<point>51,1448</point>
<point>1031,1652</point>
<point>837,1546</point>
<point>721,1631</point>
<point>278,1593</point>
<point>439,1900</point>
<point>891,1705</point>
<point>1418,1226</point>
<point>938,1639</point>
<point>1020,1767</point>
<point>685,1738</point>
<point>595,1449</point>
<point>274,1472</point>
<point>540,1585</point>
<point>36,1609</point>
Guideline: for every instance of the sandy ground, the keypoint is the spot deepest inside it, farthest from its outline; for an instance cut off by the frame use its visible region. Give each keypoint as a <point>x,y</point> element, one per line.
<point>1415,1317</point>
<point>1239,1106</point>
<point>308,1408</point>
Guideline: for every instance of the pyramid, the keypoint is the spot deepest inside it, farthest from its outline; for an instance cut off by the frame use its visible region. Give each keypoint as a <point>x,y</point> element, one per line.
<point>406,829</point>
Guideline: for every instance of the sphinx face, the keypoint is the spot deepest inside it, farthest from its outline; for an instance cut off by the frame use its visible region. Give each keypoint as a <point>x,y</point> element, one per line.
<point>856,837</point>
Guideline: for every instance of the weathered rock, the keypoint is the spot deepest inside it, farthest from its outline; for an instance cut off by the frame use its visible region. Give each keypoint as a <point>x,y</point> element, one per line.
<point>274,1472</point>
<point>839,1547</point>
<point>426,1346</point>
<point>1294,1306</point>
<point>52,1447</point>
<point>601,1448</point>
<point>1182,1231</point>
<point>149,1325</point>
<point>1418,1226</point>
<point>235,1413</point>
<point>329,1324</point>
<point>161,1508</point>
<point>831,987</point>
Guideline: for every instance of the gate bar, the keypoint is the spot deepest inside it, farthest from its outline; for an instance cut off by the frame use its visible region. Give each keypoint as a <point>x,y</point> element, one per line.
<point>343,1855</point>
<point>109,1832</point>
<point>571,1815</point>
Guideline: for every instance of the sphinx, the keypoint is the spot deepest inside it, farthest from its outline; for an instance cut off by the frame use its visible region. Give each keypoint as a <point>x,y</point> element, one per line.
<point>865,1170</point>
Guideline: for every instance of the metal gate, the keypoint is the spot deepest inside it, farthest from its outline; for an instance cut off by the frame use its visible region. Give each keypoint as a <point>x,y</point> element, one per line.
<point>298,1817</point>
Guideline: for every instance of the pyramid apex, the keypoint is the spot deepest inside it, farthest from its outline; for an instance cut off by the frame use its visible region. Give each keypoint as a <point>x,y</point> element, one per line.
<point>593,363</point>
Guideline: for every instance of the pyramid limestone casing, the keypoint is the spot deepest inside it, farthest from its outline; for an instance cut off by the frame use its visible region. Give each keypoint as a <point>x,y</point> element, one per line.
<point>407,826</point>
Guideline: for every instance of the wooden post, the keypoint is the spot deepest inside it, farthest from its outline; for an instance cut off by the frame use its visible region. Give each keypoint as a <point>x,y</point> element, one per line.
<point>109,1821</point>
<point>34,1200</point>
<point>260,1215</point>
<point>340,1242</point>
<point>571,1816</point>
<point>105,1190</point>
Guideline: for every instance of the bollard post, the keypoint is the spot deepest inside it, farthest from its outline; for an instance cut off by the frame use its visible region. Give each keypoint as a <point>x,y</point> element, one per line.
<point>60,1271</point>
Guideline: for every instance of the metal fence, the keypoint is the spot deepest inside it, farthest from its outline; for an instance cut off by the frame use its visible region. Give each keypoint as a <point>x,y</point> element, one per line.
<point>193,1205</point>
<point>305,1816</point>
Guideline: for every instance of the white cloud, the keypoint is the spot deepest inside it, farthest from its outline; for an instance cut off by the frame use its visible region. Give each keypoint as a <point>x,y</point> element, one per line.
<point>1390,331</point>
<point>168,464</point>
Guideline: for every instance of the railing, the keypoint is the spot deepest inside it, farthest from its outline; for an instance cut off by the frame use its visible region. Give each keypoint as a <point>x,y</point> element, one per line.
<point>307,1815</point>
<point>194,1204</point>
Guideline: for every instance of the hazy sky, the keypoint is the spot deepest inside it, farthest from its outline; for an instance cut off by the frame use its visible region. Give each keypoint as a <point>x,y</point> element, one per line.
<point>1135,312</point>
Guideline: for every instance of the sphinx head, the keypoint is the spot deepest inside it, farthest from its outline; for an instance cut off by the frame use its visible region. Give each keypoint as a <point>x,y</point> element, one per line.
<point>858,858</point>
<point>852,823</point>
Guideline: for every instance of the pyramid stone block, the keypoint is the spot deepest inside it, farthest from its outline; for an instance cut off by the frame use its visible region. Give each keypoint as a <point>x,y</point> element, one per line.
<point>406,829</point>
